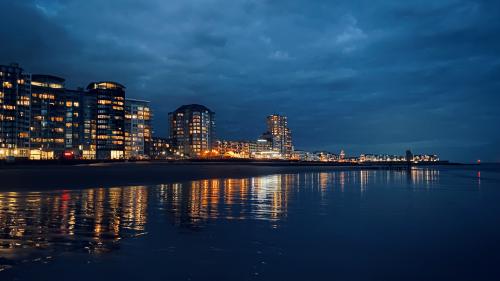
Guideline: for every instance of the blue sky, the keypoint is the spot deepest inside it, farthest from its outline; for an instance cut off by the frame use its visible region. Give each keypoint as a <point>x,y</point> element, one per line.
<point>363,76</point>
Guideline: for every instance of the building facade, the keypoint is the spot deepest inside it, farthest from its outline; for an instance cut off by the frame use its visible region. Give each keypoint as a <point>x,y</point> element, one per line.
<point>73,127</point>
<point>192,130</point>
<point>161,149</point>
<point>41,119</point>
<point>277,126</point>
<point>87,144</point>
<point>48,117</point>
<point>235,149</point>
<point>110,98</point>
<point>137,129</point>
<point>15,112</point>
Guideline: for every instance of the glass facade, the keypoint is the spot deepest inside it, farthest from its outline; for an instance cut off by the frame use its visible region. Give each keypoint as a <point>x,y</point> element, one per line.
<point>15,110</point>
<point>41,120</point>
<point>110,97</point>
<point>137,129</point>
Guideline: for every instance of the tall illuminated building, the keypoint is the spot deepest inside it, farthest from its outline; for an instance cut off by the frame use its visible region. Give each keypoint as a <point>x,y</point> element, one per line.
<point>277,126</point>
<point>110,119</point>
<point>73,122</point>
<point>137,129</point>
<point>87,130</point>
<point>15,92</point>
<point>192,130</point>
<point>48,116</point>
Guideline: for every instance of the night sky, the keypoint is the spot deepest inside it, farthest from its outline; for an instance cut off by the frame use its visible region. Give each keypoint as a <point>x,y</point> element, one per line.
<point>363,76</point>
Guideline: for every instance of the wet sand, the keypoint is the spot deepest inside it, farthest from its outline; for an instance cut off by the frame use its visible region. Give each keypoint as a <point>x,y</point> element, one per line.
<point>55,177</point>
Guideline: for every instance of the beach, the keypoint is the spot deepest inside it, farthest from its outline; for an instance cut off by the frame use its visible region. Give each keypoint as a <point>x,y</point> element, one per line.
<point>46,177</point>
<point>113,174</point>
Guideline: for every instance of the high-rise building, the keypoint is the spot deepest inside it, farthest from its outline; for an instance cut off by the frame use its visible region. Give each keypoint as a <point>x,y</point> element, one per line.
<point>48,117</point>
<point>110,119</point>
<point>409,156</point>
<point>87,129</point>
<point>277,125</point>
<point>15,105</point>
<point>137,129</point>
<point>73,119</point>
<point>192,130</point>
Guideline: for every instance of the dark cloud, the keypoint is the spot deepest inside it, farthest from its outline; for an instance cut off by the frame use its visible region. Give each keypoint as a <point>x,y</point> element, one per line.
<point>364,76</point>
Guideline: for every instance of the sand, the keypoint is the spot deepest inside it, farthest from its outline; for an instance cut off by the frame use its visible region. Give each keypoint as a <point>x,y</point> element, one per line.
<point>56,177</point>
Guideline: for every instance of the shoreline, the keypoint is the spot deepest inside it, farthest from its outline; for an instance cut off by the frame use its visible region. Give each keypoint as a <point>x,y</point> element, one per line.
<point>59,177</point>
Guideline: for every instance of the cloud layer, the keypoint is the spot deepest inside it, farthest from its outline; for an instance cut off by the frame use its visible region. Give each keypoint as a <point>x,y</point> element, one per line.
<point>364,76</point>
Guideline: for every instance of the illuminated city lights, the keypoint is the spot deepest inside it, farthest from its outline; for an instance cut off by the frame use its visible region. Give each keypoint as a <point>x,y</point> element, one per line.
<point>42,120</point>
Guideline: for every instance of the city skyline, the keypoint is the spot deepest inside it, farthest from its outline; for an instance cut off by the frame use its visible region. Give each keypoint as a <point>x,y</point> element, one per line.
<point>249,140</point>
<point>41,119</point>
<point>377,80</point>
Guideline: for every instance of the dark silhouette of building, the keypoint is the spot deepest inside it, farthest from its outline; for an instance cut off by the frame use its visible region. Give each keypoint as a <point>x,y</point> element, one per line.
<point>409,156</point>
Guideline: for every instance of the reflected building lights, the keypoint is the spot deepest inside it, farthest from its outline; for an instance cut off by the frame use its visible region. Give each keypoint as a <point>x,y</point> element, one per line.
<point>91,220</point>
<point>94,220</point>
<point>363,180</point>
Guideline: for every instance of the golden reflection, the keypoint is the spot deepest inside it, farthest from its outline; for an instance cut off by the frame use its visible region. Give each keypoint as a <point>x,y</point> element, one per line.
<point>261,198</point>
<point>92,220</point>
<point>342,180</point>
<point>422,176</point>
<point>363,180</point>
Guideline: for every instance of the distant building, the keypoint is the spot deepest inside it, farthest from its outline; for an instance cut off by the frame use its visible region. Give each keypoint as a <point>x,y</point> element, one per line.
<point>342,155</point>
<point>300,155</point>
<point>277,125</point>
<point>192,130</point>
<point>235,149</point>
<point>425,158</point>
<point>110,98</point>
<point>409,156</point>
<point>161,148</point>
<point>325,156</point>
<point>264,148</point>
<point>137,129</point>
<point>15,105</point>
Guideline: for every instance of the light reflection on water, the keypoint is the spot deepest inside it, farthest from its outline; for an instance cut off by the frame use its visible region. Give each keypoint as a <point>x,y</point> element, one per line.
<point>39,226</point>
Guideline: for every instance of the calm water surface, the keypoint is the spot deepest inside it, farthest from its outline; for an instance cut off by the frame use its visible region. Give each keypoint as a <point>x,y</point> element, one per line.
<point>424,224</point>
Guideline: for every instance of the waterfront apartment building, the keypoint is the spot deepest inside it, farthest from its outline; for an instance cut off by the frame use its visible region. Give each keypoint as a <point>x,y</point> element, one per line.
<point>235,149</point>
<point>41,119</point>
<point>87,130</point>
<point>73,122</point>
<point>15,112</point>
<point>110,97</point>
<point>192,130</point>
<point>48,117</point>
<point>277,126</point>
<point>161,148</point>
<point>137,129</point>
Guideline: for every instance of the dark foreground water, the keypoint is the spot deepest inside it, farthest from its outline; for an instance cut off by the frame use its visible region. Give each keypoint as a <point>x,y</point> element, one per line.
<point>424,224</point>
